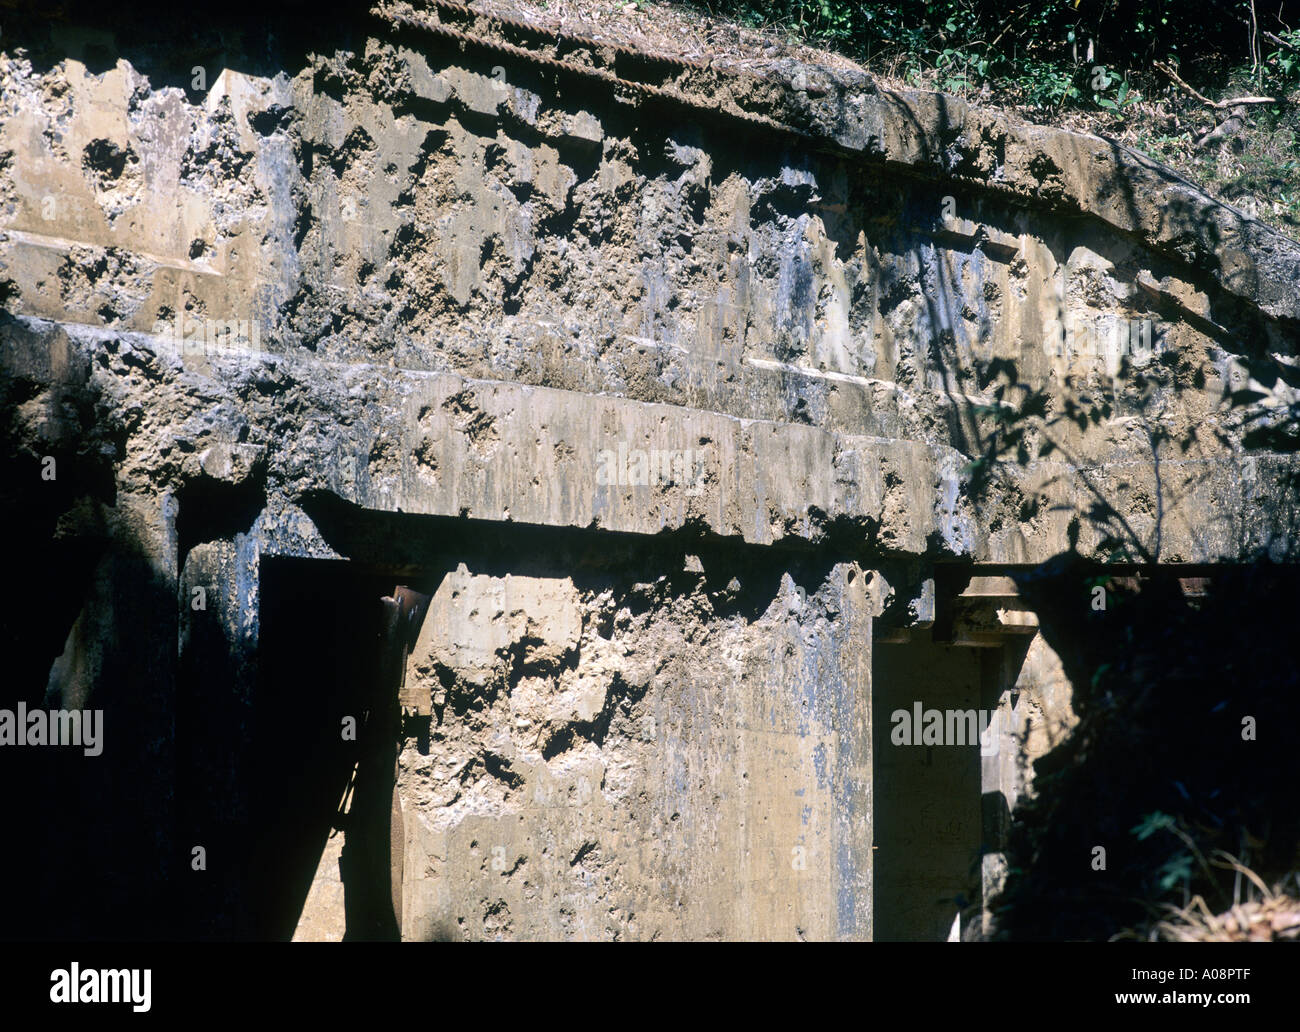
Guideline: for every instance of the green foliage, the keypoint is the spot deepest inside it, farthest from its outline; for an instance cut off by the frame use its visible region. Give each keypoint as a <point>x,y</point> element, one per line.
<point>1281,68</point>
<point>1123,97</point>
<point>1041,52</point>
<point>1176,871</point>
<point>1151,823</point>
<point>1044,83</point>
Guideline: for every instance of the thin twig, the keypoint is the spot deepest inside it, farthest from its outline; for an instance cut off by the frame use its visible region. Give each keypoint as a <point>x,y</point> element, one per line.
<point>1280,41</point>
<point>1271,37</point>
<point>1080,471</point>
<point>1221,105</point>
<point>1255,56</point>
<point>1234,864</point>
<point>1007,27</point>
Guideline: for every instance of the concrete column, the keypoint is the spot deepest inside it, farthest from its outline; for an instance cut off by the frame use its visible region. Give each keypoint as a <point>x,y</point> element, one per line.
<point>218,600</point>
<point>810,802</point>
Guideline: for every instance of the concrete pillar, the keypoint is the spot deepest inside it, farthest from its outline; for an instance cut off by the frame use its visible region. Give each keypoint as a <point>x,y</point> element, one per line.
<point>218,598</point>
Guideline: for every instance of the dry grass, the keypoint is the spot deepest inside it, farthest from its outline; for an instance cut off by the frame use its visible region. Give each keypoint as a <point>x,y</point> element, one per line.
<point>1276,919</point>
<point>1267,915</point>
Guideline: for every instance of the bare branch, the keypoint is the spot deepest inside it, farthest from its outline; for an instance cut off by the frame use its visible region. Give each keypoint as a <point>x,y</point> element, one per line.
<point>1220,105</point>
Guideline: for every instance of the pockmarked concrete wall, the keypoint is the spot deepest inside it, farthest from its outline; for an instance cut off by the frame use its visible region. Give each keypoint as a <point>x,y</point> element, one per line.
<point>266,310</point>
<point>677,773</point>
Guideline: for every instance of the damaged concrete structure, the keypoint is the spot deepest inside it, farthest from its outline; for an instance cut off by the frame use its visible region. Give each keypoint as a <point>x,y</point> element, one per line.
<point>658,383</point>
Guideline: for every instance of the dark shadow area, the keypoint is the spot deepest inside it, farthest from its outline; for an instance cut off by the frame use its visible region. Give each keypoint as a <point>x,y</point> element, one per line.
<point>933,820</point>
<point>257,39</point>
<point>56,506</point>
<point>1184,760</point>
<point>212,510</point>
<point>742,579</point>
<point>322,669</point>
<point>87,827</point>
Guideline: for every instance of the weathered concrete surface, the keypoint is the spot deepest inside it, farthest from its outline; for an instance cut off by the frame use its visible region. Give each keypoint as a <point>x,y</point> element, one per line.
<point>585,760</point>
<point>429,290</point>
<point>798,289</point>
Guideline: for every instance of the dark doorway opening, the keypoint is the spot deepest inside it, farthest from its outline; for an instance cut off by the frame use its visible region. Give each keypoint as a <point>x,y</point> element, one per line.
<point>320,669</point>
<point>926,797</point>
